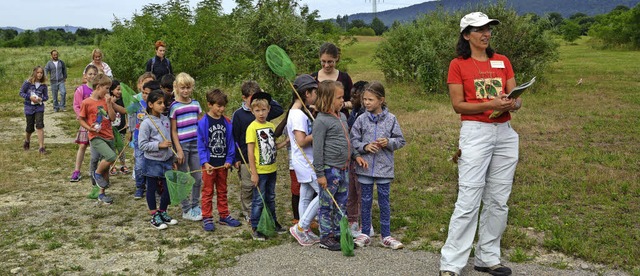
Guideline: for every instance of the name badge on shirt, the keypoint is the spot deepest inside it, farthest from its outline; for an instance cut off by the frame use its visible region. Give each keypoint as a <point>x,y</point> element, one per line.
<point>497,64</point>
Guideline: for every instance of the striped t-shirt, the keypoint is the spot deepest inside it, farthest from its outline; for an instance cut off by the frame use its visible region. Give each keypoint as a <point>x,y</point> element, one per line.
<point>186,116</point>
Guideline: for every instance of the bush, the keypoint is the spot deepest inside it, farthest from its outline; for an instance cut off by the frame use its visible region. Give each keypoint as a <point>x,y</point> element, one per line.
<point>420,51</point>
<point>362,31</point>
<point>218,49</point>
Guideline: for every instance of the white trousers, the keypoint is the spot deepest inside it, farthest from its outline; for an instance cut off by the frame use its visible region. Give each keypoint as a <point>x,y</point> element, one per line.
<point>485,174</point>
<point>308,205</point>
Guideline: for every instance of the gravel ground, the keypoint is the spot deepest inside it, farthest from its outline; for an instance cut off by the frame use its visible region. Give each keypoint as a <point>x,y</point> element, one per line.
<point>285,260</point>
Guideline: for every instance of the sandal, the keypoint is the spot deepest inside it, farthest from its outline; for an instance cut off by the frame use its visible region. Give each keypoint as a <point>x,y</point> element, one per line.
<point>113,171</point>
<point>124,170</point>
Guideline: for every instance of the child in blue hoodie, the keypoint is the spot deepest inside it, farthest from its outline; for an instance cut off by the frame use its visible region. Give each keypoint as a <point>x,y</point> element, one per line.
<point>216,149</point>
<point>376,135</point>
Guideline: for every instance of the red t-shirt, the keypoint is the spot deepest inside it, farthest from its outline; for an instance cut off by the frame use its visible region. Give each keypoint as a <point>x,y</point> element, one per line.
<point>481,82</point>
<point>91,110</point>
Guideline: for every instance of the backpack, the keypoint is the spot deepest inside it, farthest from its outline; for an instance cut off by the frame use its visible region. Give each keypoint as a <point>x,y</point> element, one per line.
<point>153,62</point>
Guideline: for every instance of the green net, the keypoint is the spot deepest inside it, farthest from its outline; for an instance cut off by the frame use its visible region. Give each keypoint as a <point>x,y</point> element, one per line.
<point>179,185</point>
<point>129,98</point>
<point>95,191</point>
<point>117,139</point>
<point>266,224</point>
<point>280,63</point>
<point>346,239</point>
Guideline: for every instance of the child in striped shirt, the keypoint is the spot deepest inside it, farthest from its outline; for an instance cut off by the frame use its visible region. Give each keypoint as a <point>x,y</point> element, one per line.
<point>184,114</point>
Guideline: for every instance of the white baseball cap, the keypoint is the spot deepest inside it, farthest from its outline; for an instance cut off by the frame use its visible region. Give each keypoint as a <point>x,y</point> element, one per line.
<point>476,19</point>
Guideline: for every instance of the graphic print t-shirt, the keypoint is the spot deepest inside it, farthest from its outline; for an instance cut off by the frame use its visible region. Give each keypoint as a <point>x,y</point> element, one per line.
<point>95,112</point>
<point>265,146</point>
<point>217,146</point>
<point>482,81</point>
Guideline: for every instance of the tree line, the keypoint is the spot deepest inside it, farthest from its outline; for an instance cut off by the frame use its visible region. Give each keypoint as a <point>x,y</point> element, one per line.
<point>51,37</point>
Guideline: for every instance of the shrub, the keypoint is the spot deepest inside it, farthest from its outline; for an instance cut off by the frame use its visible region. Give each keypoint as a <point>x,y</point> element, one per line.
<point>420,51</point>
<point>218,49</point>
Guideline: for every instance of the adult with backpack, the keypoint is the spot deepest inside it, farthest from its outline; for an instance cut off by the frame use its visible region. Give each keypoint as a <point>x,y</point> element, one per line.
<point>159,65</point>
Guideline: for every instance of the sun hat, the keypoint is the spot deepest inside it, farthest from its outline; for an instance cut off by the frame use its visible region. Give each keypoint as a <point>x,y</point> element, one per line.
<point>304,83</point>
<point>476,19</point>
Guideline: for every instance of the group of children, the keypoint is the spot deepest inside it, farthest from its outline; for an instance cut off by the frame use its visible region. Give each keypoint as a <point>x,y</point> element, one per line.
<point>169,129</point>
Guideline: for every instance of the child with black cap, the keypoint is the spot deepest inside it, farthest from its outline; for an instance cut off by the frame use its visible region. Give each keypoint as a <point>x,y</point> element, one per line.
<point>299,123</point>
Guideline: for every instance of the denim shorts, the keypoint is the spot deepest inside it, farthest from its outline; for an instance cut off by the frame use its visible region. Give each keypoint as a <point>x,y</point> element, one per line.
<point>155,168</point>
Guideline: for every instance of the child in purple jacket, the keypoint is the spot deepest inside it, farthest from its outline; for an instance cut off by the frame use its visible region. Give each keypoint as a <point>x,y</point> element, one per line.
<point>34,92</point>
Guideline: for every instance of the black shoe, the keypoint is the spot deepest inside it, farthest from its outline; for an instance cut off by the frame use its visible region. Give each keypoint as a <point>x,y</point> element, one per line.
<point>330,243</point>
<point>496,270</point>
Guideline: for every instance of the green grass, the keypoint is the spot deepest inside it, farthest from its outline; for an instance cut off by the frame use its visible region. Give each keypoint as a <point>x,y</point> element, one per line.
<point>576,189</point>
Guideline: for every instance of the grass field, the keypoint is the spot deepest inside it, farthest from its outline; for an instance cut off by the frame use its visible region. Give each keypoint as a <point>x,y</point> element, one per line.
<point>576,190</point>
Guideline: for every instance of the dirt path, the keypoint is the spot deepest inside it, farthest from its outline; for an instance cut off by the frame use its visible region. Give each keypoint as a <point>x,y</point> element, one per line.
<point>53,133</point>
<point>292,259</point>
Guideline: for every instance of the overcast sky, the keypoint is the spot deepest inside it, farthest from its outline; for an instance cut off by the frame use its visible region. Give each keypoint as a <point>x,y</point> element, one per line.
<point>31,14</point>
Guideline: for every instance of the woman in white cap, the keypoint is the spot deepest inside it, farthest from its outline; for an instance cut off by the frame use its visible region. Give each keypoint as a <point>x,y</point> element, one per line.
<point>478,81</point>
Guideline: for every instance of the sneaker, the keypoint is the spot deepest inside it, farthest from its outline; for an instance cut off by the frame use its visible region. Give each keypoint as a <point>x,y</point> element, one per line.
<point>124,170</point>
<point>100,181</point>
<point>192,214</point>
<point>300,235</point>
<point>392,243</point>
<point>362,240</point>
<point>330,243</point>
<point>42,151</point>
<point>280,230</point>
<point>355,229</point>
<point>138,194</point>
<point>257,236</point>
<point>496,270</point>
<point>447,273</point>
<point>156,221</point>
<point>26,144</point>
<point>167,219</point>
<point>230,221</point>
<point>312,236</point>
<point>113,171</point>
<point>371,232</point>
<point>105,199</point>
<point>207,224</point>
<point>75,176</point>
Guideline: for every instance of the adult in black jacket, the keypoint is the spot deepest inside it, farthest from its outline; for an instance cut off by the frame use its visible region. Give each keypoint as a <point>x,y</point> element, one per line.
<point>159,65</point>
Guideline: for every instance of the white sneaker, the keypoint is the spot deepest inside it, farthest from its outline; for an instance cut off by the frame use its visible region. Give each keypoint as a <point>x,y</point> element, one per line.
<point>371,232</point>
<point>192,215</point>
<point>392,243</point>
<point>362,240</point>
<point>355,229</point>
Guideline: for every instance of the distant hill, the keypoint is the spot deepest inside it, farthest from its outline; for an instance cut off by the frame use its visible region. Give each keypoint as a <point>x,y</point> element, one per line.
<point>66,28</point>
<point>539,7</point>
<point>12,28</point>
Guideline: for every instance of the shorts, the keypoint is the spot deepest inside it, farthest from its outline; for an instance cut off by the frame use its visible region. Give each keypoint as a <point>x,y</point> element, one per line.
<point>105,148</point>
<point>82,137</point>
<point>37,120</point>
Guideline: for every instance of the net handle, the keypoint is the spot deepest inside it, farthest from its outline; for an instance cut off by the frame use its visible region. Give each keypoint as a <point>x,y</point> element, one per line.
<point>334,201</point>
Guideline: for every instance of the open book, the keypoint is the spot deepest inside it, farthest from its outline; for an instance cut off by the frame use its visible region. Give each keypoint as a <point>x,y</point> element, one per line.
<point>515,93</point>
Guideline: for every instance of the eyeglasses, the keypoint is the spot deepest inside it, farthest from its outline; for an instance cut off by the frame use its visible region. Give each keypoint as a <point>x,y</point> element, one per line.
<point>328,62</point>
<point>481,30</point>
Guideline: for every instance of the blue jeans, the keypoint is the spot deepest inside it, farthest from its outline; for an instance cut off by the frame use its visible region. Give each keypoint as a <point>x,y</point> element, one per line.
<point>152,183</point>
<point>191,163</point>
<point>55,88</point>
<point>267,186</point>
<point>139,166</point>
<point>329,215</point>
<point>383,203</point>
